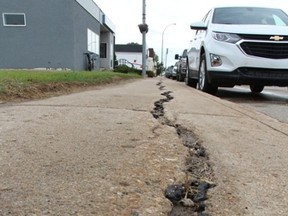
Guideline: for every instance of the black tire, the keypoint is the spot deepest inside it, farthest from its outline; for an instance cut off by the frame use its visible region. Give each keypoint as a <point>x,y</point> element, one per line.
<point>181,77</point>
<point>203,83</point>
<point>256,88</point>
<point>89,66</point>
<point>189,81</point>
<point>177,77</point>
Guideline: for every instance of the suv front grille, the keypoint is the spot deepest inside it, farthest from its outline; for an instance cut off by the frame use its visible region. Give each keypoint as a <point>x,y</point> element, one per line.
<point>275,50</point>
<point>262,37</point>
<point>267,73</point>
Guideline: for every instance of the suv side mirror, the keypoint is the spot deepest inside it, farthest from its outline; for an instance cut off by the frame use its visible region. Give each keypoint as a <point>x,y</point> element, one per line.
<point>176,57</point>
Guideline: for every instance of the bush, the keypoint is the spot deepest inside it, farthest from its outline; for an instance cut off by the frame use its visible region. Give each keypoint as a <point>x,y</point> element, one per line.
<point>150,73</point>
<point>126,69</point>
<point>122,69</point>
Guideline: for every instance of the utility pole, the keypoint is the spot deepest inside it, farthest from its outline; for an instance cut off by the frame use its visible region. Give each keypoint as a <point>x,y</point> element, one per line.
<point>143,29</point>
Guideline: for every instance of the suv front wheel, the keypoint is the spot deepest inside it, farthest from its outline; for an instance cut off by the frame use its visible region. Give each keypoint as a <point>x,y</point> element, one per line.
<point>203,83</point>
<point>189,81</point>
<point>256,88</point>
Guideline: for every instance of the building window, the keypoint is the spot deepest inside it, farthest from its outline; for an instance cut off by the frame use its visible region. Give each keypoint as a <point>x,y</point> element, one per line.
<point>14,19</point>
<point>92,41</point>
<point>103,50</point>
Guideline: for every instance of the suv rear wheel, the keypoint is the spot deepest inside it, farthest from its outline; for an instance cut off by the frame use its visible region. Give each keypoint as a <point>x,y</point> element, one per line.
<point>203,83</point>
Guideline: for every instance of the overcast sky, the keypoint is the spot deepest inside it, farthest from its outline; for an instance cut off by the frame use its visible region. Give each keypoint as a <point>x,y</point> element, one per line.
<point>127,14</point>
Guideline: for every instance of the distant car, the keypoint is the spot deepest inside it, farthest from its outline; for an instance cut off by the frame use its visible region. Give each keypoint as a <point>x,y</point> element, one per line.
<point>169,72</point>
<point>181,65</point>
<point>174,72</point>
<point>239,46</point>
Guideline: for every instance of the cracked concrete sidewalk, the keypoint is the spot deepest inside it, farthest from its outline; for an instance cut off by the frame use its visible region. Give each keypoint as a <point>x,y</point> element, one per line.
<point>248,151</point>
<point>98,152</point>
<point>101,152</point>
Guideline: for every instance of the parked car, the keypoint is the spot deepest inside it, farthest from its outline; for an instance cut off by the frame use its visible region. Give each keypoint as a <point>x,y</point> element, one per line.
<point>174,72</point>
<point>239,46</point>
<point>181,66</point>
<point>169,72</point>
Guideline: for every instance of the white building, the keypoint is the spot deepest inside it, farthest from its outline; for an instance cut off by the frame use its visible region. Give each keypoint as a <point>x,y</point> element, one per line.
<point>131,55</point>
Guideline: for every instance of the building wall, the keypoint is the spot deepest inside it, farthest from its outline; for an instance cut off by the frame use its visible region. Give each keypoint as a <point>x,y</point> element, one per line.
<point>135,58</point>
<point>150,64</point>
<point>82,20</point>
<point>46,40</point>
<point>89,6</point>
<point>55,35</point>
<point>106,33</point>
<point>108,39</point>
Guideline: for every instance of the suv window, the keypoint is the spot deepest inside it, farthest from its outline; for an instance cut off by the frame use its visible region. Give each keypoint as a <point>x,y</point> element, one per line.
<point>184,53</point>
<point>206,17</point>
<point>250,15</point>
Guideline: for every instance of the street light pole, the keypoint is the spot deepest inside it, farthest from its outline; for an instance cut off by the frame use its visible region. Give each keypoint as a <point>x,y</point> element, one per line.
<point>163,40</point>
<point>143,29</point>
<point>166,57</point>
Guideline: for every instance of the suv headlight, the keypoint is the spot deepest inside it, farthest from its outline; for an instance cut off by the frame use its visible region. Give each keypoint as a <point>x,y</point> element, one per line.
<point>226,37</point>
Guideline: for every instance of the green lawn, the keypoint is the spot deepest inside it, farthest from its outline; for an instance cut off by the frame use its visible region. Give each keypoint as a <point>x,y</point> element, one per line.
<point>21,83</point>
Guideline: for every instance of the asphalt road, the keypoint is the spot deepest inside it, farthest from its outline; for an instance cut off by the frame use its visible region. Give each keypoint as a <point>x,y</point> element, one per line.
<point>273,101</point>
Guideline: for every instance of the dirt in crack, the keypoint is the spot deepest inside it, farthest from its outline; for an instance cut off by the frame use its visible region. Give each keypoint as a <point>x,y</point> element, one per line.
<point>158,110</point>
<point>188,198</point>
<point>199,178</point>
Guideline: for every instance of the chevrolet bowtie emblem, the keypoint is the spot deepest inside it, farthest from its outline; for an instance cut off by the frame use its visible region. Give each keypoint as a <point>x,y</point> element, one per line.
<point>276,38</point>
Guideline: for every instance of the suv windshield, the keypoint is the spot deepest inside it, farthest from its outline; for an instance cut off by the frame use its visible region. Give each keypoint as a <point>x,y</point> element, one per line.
<point>250,16</point>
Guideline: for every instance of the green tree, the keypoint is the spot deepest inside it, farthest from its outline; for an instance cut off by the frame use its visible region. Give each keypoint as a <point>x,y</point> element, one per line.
<point>159,66</point>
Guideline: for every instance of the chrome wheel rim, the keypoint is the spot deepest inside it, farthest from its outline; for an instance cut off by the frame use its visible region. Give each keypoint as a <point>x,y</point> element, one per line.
<point>202,76</point>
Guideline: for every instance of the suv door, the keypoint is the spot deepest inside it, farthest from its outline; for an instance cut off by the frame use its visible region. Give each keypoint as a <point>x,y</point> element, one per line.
<point>194,52</point>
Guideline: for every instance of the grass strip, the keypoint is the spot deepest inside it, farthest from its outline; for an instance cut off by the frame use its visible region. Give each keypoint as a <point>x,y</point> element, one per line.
<point>29,84</point>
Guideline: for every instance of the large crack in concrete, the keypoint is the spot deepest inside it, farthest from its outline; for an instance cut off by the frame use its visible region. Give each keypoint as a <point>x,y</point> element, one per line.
<point>188,198</point>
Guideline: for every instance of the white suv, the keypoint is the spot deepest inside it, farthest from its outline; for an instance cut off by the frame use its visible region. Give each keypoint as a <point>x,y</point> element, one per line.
<point>239,46</point>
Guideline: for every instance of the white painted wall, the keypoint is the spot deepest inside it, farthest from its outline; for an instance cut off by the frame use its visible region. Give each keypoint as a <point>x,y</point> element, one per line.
<point>135,58</point>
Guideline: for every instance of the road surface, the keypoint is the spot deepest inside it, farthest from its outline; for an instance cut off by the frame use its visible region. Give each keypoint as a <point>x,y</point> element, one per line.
<point>273,101</point>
